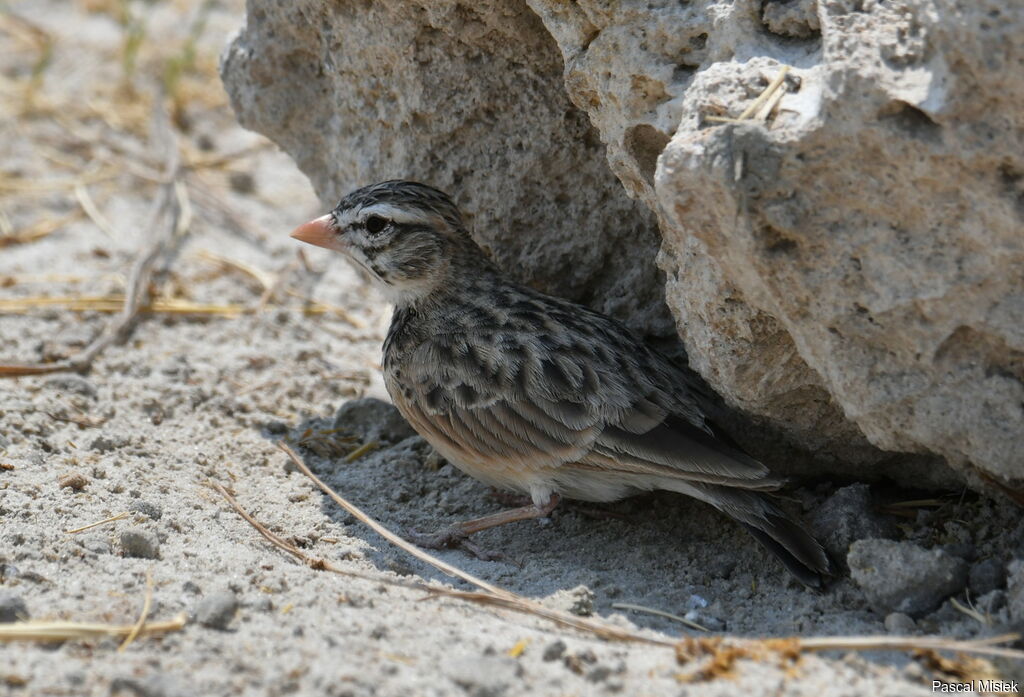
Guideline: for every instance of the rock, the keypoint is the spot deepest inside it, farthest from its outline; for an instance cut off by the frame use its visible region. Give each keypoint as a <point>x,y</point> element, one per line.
<point>986,576</point>
<point>473,103</point>
<point>150,510</point>
<point>554,650</point>
<point>484,676</point>
<point>1015,590</point>
<point>140,543</point>
<point>108,443</point>
<point>373,420</point>
<point>73,480</point>
<point>903,577</point>
<point>900,624</point>
<point>842,272</point>
<point>217,610</point>
<point>848,515</point>
<point>12,607</point>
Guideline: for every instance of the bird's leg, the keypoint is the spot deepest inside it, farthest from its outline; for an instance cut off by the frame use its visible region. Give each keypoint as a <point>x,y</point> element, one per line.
<point>456,535</point>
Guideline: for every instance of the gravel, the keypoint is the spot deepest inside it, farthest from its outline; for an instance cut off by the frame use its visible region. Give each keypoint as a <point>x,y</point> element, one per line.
<point>217,610</point>
<point>12,607</point>
<point>846,516</point>
<point>904,577</point>
<point>140,543</point>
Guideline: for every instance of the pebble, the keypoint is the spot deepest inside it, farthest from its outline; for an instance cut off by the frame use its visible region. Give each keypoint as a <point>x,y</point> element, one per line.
<point>986,576</point>
<point>107,443</point>
<point>900,624</point>
<point>217,610</point>
<point>554,651</point>
<point>146,508</point>
<point>904,577</point>
<point>846,516</point>
<point>484,676</point>
<point>73,480</point>
<point>373,420</point>
<point>12,607</point>
<point>139,543</point>
<point>241,182</point>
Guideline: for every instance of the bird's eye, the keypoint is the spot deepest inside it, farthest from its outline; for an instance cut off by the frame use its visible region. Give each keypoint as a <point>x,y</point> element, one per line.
<point>374,224</point>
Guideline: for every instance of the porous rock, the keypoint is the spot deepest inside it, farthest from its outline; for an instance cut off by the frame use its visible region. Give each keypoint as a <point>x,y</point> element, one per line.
<point>904,577</point>
<point>465,96</point>
<point>848,515</point>
<point>842,271</point>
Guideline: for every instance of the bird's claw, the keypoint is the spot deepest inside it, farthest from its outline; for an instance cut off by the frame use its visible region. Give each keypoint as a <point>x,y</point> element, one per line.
<point>451,538</point>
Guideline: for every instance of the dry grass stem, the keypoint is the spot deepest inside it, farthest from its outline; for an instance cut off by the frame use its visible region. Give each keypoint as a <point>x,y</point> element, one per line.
<point>170,216</point>
<point>660,613</point>
<point>90,526</point>
<point>266,280</point>
<point>89,206</point>
<point>362,450</point>
<point>146,604</point>
<point>766,95</point>
<point>64,631</point>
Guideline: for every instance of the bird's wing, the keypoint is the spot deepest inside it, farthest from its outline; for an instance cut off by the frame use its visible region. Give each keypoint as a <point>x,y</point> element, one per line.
<point>586,395</point>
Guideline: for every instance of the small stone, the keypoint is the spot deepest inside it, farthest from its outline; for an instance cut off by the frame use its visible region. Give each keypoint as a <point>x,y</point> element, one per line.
<point>107,443</point>
<point>12,607</point>
<point>848,515</point>
<point>484,676</point>
<point>139,543</point>
<point>217,610</point>
<point>900,624</point>
<point>150,510</point>
<point>1015,590</point>
<point>71,383</point>
<point>373,420</point>
<point>73,480</point>
<point>599,674</point>
<point>986,576</point>
<point>242,182</point>
<point>903,577</point>
<point>554,651</point>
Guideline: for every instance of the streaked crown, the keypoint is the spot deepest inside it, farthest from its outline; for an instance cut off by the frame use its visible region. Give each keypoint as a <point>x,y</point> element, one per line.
<point>409,237</point>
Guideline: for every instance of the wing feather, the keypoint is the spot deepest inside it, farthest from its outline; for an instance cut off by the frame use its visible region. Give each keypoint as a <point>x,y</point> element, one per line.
<point>522,399</point>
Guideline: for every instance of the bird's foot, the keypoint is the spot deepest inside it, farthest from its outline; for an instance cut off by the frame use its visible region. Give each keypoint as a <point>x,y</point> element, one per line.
<point>451,537</point>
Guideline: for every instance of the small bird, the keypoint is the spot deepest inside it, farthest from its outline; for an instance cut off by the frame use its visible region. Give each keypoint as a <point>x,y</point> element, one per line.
<point>532,393</point>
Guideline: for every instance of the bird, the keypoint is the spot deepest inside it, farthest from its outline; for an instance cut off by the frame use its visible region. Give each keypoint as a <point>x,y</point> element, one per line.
<point>533,393</point>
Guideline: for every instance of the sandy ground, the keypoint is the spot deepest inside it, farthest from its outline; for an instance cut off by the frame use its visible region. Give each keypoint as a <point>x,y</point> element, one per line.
<point>197,397</point>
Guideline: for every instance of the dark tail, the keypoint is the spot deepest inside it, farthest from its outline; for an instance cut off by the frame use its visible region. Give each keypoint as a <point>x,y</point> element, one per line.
<point>805,558</point>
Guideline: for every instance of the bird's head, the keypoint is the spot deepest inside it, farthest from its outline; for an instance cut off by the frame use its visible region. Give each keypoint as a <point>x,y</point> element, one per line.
<point>408,237</point>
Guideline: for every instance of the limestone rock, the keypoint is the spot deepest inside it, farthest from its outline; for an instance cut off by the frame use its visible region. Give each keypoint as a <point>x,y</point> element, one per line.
<point>845,271</point>
<point>468,97</point>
